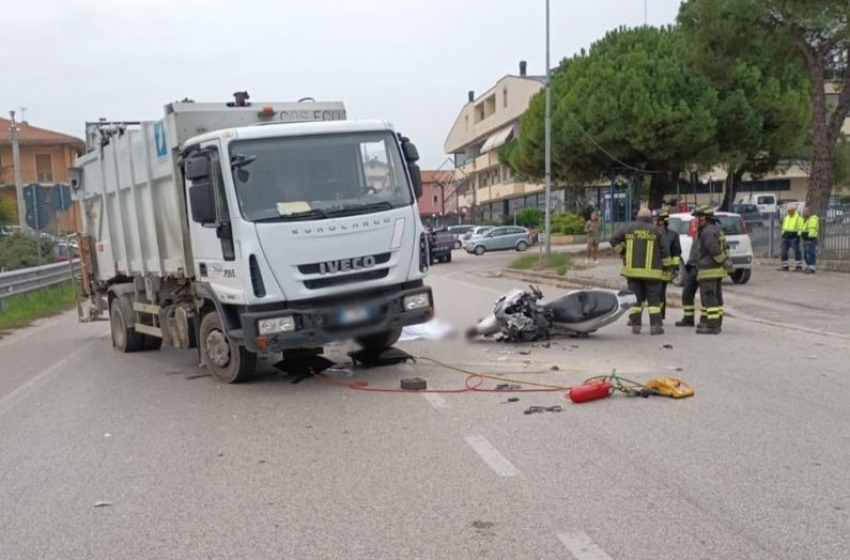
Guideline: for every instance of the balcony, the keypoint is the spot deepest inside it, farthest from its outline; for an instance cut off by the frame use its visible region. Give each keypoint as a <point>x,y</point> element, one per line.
<point>482,162</point>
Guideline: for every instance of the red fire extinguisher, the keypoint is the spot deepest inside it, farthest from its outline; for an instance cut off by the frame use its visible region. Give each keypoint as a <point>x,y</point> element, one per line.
<point>591,391</point>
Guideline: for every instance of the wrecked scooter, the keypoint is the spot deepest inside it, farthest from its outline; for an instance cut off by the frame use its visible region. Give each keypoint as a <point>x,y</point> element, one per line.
<point>520,318</point>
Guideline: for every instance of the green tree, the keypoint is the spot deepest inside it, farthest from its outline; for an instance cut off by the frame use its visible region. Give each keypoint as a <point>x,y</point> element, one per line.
<point>782,38</point>
<point>760,120</point>
<point>628,103</point>
<point>20,250</point>
<point>530,217</point>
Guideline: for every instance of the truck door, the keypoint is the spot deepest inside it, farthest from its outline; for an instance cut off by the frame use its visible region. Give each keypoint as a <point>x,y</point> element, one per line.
<point>210,227</point>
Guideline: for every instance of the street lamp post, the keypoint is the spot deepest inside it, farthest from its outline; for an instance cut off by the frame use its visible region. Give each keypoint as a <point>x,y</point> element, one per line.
<point>19,181</point>
<point>548,144</point>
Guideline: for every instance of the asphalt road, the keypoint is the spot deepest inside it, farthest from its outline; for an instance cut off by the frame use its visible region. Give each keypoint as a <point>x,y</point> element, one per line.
<point>753,467</point>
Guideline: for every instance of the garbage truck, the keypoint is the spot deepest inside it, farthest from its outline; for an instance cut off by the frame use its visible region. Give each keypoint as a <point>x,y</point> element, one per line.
<point>241,229</point>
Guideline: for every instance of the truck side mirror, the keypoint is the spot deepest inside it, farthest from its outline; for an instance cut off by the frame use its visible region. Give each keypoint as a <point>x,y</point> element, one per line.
<point>202,199</point>
<point>197,167</point>
<point>415,179</point>
<point>408,148</point>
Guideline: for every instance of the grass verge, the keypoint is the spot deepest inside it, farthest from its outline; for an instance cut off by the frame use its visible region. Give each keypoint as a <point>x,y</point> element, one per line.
<point>21,310</point>
<point>560,263</point>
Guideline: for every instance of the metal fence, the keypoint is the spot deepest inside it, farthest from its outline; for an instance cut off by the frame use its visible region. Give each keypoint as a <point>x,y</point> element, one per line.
<point>833,243</point>
<point>27,280</point>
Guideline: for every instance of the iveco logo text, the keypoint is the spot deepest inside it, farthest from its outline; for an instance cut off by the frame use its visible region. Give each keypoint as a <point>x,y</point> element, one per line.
<point>346,265</point>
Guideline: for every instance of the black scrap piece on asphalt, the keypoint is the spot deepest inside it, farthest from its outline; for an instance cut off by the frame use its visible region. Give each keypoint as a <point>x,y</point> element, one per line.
<point>303,366</point>
<point>377,358</point>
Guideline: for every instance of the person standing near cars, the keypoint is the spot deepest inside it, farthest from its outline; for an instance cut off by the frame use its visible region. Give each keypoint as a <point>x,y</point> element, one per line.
<point>792,227</point>
<point>674,248</point>
<point>645,256</point>
<point>593,230</point>
<point>811,231</point>
<point>712,265</point>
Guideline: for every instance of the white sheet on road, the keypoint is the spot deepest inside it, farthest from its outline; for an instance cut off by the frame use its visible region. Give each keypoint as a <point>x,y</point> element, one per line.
<point>434,329</point>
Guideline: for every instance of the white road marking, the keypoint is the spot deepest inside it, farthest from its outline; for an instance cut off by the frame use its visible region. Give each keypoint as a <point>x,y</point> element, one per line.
<point>436,400</point>
<point>582,547</point>
<point>22,392</point>
<point>495,460</point>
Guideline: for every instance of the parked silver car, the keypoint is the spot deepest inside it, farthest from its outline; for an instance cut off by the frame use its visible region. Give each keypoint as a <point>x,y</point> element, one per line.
<point>499,239</point>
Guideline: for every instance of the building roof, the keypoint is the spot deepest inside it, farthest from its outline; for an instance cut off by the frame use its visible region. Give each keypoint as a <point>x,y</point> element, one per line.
<point>437,177</point>
<point>33,135</point>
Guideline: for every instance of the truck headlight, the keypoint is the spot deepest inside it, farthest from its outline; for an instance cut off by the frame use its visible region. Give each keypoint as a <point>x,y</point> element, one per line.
<point>276,325</point>
<point>417,301</point>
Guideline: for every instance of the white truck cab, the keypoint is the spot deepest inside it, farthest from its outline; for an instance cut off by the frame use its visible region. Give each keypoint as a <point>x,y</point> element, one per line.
<point>242,229</point>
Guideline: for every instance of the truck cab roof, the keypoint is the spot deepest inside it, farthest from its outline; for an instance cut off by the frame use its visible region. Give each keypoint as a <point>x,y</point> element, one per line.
<point>278,129</point>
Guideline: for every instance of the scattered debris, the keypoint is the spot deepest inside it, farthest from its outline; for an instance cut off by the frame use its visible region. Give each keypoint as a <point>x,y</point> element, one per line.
<point>554,368</point>
<point>536,409</point>
<point>546,344</point>
<point>507,387</point>
<point>574,346</point>
<point>102,504</point>
<point>262,461</point>
<point>107,435</point>
<point>414,384</point>
<point>668,346</point>
<point>338,371</point>
<point>513,399</point>
<point>525,352</point>
<point>811,357</point>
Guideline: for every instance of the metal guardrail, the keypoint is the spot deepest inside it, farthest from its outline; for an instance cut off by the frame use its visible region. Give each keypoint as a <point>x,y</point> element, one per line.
<point>27,280</point>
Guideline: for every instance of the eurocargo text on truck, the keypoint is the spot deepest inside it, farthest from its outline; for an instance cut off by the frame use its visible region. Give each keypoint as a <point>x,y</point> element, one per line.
<point>242,229</point>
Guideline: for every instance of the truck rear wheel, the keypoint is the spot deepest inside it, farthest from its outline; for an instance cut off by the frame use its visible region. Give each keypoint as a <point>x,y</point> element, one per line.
<point>227,361</point>
<point>124,337</point>
<point>379,341</point>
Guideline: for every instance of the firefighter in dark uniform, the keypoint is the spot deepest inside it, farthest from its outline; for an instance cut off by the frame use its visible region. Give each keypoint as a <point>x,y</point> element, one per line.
<point>689,288</point>
<point>712,265</point>
<point>645,256</point>
<point>674,247</point>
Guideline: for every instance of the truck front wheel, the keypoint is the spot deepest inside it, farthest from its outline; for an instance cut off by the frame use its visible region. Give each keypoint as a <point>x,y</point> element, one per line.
<point>227,361</point>
<point>379,341</point>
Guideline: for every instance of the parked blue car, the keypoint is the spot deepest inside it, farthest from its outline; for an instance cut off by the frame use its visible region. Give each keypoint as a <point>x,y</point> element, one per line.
<point>499,239</point>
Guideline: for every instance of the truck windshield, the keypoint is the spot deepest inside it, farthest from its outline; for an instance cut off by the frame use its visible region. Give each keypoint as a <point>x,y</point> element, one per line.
<point>318,177</point>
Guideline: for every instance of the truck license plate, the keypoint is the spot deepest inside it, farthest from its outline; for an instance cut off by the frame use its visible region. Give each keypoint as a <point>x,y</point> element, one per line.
<point>354,315</point>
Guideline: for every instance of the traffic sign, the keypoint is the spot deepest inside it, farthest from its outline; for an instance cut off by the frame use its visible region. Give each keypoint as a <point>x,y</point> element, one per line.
<point>60,197</point>
<point>36,209</point>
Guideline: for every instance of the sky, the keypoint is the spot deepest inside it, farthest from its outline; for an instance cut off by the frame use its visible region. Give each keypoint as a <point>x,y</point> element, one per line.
<point>410,62</point>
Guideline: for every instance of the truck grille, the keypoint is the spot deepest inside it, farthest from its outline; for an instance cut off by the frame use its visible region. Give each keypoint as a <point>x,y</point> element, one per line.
<point>331,281</point>
<point>315,268</point>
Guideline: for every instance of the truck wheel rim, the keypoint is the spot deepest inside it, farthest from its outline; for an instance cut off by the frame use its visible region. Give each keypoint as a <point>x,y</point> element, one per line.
<point>218,349</point>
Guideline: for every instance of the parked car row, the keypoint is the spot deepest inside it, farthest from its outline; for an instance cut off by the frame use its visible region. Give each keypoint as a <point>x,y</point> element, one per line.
<point>477,240</point>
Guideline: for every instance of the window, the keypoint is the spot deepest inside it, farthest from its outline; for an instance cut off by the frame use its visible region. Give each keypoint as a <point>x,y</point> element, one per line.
<point>317,177</point>
<point>505,97</point>
<point>436,200</point>
<point>43,168</point>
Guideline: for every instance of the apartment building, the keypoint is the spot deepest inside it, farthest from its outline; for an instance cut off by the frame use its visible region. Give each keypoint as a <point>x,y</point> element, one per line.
<point>483,188</point>
<point>46,157</point>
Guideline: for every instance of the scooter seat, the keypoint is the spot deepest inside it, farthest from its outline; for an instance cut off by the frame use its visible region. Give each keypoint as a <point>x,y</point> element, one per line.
<point>582,306</point>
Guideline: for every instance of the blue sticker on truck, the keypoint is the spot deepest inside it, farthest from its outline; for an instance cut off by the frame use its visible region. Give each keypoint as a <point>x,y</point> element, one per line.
<point>159,140</point>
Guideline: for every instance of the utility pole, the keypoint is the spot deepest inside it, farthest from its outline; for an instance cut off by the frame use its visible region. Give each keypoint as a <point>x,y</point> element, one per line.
<point>548,143</point>
<point>19,180</point>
